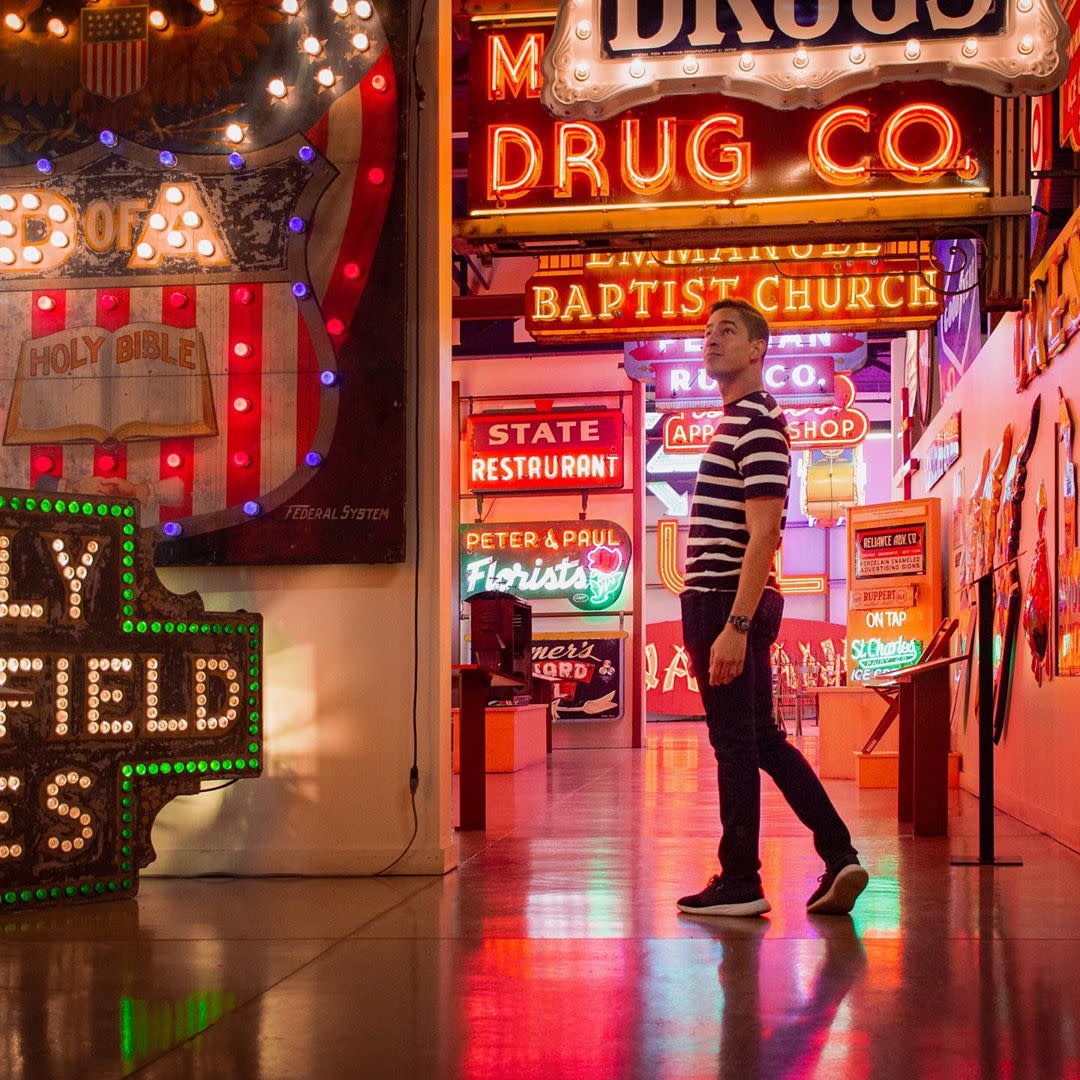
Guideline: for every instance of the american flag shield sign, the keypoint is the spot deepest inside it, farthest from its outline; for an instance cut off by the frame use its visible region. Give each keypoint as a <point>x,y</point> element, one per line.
<point>113,50</point>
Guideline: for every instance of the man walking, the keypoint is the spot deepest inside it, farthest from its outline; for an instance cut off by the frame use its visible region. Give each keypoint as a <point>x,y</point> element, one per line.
<point>731,611</point>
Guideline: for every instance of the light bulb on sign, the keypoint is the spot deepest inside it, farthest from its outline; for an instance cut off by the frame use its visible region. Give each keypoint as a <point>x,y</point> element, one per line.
<point>30,201</point>
<point>241,404</point>
<point>312,45</point>
<point>191,219</point>
<point>174,195</point>
<point>277,88</point>
<point>158,19</point>
<point>746,61</point>
<point>1023,5</point>
<point>176,239</point>
<point>290,7</point>
<point>325,77</point>
<point>57,27</point>
<point>360,42</point>
<point>690,65</point>
<point>913,50</point>
<point>59,239</point>
<point>857,54</point>
<point>6,228</point>
<point>970,48</point>
<point>57,214</point>
<point>157,222</point>
<point>205,248</point>
<point>46,303</point>
<point>637,68</point>
<point>1026,44</point>
<point>14,22</point>
<point>583,29</point>
<point>174,460</point>
<point>234,133</point>
<point>7,256</point>
<point>7,202</point>
<point>208,7</point>
<point>363,9</point>
<point>31,255</point>
<point>801,57</point>
<point>340,7</point>
<point>145,250</point>
<point>581,72</point>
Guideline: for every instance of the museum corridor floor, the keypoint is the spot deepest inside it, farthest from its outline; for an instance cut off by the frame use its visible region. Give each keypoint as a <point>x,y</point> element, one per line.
<point>556,951</point>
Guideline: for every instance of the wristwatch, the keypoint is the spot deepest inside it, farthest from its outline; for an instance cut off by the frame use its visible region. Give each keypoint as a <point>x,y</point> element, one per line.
<point>740,622</point>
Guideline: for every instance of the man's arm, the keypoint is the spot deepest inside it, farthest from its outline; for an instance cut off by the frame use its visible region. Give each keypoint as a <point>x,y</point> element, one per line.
<point>763,517</point>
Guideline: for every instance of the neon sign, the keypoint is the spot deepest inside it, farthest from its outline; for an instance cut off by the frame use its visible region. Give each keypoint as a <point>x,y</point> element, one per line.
<point>876,656</point>
<point>667,556</point>
<point>603,296</point>
<point>585,562</point>
<point>600,62</point>
<point>116,697</point>
<point>693,156</point>
<point>792,380</point>
<point>691,431</point>
<point>545,451</point>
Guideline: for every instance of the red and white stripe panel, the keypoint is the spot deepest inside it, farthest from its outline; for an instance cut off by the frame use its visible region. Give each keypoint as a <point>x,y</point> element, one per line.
<point>114,69</point>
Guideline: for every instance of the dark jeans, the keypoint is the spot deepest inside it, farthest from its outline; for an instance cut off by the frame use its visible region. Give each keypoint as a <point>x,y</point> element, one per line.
<point>746,737</point>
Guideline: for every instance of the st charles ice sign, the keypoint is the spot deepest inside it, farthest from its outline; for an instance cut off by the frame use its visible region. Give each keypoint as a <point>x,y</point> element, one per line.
<point>607,55</point>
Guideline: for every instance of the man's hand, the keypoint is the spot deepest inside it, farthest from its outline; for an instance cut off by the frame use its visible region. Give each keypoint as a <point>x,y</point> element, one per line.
<point>727,656</point>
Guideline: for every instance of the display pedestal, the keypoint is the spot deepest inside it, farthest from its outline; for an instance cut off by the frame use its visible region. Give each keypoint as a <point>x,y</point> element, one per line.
<point>515,737</point>
<point>987,857</point>
<point>846,716</point>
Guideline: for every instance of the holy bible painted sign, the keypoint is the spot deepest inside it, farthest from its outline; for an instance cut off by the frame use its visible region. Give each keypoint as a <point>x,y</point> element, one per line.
<point>115,697</point>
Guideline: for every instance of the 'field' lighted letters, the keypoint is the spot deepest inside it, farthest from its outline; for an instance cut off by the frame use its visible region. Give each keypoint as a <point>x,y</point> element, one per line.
<point>115,697</point>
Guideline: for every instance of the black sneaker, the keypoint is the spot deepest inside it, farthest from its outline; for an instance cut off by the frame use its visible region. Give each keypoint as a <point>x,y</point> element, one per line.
<point>717,898</point>
<point>838,889</point>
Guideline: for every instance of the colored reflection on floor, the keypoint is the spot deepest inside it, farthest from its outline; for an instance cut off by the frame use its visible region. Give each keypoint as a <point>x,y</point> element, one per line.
<point>555,951</point>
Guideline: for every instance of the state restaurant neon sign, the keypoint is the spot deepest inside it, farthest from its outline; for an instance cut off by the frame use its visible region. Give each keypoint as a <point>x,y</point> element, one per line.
<point>115,697</point>
<point>554,450</point>
<point>607,55</point>
<point>691,431</point>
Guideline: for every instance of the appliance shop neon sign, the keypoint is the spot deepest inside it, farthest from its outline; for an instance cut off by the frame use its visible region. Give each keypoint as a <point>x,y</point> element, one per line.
<point>585,562</point>
<point>691,431</point>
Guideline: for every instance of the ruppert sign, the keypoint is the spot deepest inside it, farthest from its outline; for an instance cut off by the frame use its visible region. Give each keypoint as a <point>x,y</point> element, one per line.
<point>607,55</point>
<point>115,697</point>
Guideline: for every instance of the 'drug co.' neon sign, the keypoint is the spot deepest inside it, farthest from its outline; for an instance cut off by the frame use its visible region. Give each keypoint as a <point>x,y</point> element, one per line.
<point>691,431</point>
<point>707,151</point>
<point>584,562</point>
<point>115,697</point>
<point>551,450</point>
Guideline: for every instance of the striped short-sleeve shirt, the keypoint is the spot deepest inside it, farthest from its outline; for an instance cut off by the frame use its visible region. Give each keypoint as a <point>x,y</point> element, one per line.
<point>749,458</point>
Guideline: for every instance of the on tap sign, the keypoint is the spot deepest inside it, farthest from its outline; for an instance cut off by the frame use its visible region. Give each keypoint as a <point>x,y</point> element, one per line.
<point>607,55</point>
<point>894,585</point>
<point>115,697</point>
<point>641,294</point>
<point>584,562</point>
<point>559,450</point>
<point>707,160</point>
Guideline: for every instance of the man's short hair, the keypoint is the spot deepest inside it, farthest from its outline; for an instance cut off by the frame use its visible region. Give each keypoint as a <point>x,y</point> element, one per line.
<point>757,328</point>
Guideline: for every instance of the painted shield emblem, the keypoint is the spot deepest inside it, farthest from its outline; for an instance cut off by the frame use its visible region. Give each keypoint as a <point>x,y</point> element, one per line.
<point>113,53</point>
<point>211,323</point>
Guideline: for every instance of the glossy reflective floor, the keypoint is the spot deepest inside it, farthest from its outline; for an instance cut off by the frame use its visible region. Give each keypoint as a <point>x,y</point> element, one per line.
<point>555,951</point>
